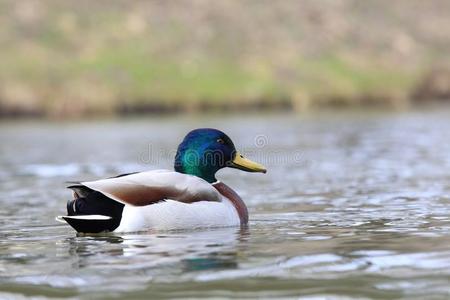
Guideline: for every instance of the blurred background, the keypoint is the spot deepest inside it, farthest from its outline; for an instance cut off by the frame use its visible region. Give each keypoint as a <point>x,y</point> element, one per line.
<point>346,102</point>
<point>83,58</point>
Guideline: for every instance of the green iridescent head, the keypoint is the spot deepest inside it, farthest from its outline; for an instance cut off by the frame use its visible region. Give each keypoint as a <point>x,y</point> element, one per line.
<point>205,151</point>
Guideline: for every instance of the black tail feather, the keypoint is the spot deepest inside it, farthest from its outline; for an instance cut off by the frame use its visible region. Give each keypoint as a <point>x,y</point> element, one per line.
<point>91,225</point>
<point>94,203</point>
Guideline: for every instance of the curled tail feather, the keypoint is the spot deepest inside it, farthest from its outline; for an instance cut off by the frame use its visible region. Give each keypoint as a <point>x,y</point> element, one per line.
<point>92,212</point>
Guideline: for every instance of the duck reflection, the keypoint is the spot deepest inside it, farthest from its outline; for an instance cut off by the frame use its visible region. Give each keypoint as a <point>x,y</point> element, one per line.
<point>84,250</point>
<point>183,251</point>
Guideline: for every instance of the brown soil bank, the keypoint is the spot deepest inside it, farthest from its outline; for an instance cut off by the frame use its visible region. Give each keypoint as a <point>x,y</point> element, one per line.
<point>434,86</point>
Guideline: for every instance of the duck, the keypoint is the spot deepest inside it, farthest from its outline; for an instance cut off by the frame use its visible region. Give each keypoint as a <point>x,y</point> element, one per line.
<point>188,197</point>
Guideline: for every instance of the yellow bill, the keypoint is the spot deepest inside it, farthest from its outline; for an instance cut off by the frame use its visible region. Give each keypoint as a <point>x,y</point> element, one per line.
<point>242,163</point>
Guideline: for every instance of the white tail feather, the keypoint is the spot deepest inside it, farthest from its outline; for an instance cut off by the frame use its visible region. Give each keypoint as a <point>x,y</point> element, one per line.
<point>82,217</point>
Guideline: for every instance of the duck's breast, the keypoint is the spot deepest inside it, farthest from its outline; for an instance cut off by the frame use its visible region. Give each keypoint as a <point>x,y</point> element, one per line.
<point>171,215</point>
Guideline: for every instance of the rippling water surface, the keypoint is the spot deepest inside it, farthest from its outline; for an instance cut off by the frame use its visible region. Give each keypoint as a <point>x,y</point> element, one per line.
<point>353,206</point>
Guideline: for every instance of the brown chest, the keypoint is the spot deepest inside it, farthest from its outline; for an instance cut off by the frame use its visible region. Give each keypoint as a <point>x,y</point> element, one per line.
<point>237,201</point>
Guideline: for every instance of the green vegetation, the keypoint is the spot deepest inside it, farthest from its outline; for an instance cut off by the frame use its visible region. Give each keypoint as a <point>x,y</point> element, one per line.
<point>69,59</point>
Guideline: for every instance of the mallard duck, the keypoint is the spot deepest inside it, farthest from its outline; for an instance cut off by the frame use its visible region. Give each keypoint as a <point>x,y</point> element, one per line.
<point>188,197</point>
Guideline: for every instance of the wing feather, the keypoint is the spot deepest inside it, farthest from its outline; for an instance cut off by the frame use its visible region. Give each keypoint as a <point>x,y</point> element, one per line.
<point>144,188</point>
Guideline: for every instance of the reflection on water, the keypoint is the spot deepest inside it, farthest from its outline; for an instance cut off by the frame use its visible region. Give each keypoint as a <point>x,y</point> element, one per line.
<point>364,212</point>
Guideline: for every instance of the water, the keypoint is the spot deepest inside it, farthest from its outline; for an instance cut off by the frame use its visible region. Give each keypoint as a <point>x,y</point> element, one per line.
<point>352,207</point>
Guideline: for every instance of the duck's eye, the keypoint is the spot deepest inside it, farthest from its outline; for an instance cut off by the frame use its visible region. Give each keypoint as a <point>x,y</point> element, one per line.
<point>220,141</point>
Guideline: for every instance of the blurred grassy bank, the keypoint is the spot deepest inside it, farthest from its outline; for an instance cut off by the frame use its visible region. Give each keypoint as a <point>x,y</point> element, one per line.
<point>78,58</point>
